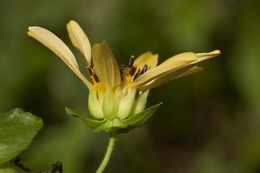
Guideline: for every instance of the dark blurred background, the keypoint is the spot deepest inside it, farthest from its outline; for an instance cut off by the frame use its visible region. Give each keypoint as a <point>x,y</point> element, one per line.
<point>209,122</point>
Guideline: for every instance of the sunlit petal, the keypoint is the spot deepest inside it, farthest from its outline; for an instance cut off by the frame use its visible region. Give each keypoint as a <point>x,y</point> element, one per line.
<point>147,58</point>
<point>105,64</point>
<point>79,40</point>
<point>170,65</point>
<point>204,56</point>
<point>190,71</point>
<point>166,78</point>
<point>56,45</point>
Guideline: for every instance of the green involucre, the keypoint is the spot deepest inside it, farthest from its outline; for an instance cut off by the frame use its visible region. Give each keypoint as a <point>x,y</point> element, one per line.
<point>117,125</point>
<point>110,104</point>
<point>94,105</point>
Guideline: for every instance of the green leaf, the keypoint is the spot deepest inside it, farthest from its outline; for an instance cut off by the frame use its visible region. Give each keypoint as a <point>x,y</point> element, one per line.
<point>89,122</point>
<point>142,117</point>
<point>17,129</point>
<point>7,167</point>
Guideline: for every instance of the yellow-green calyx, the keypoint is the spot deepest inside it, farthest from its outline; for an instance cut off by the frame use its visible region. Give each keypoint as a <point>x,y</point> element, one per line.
<point>114,106</point>
<point>94,105</point>
<point>126,104</point>
<point>109,105</point>
<point>117,94</point>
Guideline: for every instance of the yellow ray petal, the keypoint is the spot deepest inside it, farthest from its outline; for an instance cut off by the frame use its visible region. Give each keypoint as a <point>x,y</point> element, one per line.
<point>166,78</point>
<point>148,59</point>
<point>79,40</point>
<point>170,65</point>
<point>204,56</point>
<point>190,71</point>
<point>56,45</point>
<point>105,64</point>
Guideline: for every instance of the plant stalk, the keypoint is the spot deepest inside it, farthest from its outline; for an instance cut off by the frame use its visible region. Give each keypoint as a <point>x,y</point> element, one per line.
<point>108,153</point>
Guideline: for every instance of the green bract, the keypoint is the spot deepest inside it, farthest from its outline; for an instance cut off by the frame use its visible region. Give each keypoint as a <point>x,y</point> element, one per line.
<point>117,125</point>
<point>17,129</point>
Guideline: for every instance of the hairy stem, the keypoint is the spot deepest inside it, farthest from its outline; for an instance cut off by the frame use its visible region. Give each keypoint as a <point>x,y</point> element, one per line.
<point>108,153</point>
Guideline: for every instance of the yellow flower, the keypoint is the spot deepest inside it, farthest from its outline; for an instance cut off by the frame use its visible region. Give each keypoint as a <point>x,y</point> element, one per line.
<point>117,93</point>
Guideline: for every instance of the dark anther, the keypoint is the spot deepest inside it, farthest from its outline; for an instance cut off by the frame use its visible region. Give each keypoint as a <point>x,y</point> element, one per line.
<point>137,74</point>
<point>131,61</point>
<point>90,70</point>
<point>122,68</point>
<point>121,71</point>
<point>132,71</point>
<point>95,77</point>
<point>144,69</point>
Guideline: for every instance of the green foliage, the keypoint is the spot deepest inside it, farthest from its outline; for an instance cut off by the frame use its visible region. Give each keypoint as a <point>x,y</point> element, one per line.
<point>17,129</point>
<point>7,170</point>
<point>66,142</point>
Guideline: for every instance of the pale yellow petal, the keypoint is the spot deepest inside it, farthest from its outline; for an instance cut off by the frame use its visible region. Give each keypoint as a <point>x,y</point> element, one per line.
<point>80,40</point>
<point>56,45</point>
<point>169,66</point>
<point>205,56</point>
<point>105,64</point>
<point>166,78</point>
<point>147,58</point>
<point>190,71</point>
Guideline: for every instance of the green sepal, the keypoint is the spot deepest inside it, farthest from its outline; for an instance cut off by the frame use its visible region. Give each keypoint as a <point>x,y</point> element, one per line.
<point>17,130</point>
<point>89,122</point>
<point>140,118</point>
<point>111,126</point>
<point>123,126</point>
<point>116,125</point>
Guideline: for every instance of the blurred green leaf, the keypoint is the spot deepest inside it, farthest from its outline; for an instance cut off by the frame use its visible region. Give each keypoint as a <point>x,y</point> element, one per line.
<point>17,129</point>
<point>7,170</point>
<point>68,142</point>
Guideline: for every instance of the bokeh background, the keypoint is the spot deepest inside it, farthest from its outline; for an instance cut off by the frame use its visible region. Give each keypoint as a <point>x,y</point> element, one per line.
<point>209,122</point>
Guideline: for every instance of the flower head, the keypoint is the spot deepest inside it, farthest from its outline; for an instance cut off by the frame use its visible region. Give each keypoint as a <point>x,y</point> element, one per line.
<point>117,95</point>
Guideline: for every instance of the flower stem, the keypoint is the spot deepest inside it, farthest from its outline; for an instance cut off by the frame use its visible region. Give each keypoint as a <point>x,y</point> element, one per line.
<point>106,158</point>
